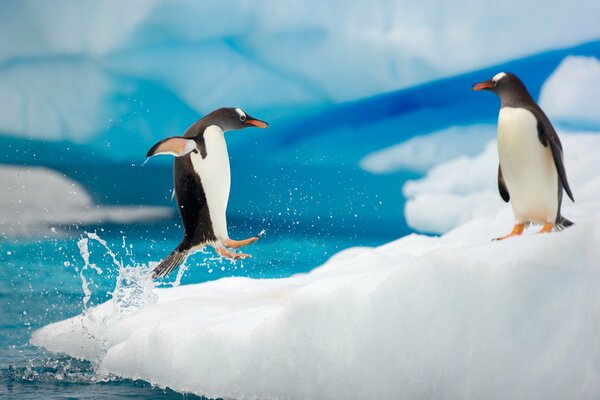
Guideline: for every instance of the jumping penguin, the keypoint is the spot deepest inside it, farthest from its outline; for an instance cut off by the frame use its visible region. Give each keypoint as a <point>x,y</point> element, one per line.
<point>531,174</point>
<point>202,182</point>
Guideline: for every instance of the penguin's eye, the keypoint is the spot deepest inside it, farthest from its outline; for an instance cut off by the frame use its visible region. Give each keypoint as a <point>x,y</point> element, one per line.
<point>242,118</point>
<point>494,82</point>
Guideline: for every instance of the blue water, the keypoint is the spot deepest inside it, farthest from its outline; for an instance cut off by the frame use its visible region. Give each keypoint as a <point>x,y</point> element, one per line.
<point>41,285</point>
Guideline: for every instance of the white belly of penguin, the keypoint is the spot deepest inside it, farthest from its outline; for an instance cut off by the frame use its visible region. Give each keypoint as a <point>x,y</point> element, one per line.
<point>214,172</point>
<point>528,168</point>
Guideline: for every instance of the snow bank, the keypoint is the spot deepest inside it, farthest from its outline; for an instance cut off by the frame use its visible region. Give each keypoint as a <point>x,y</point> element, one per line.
<point>34,199</point>
<point>421,153</point>
<point>465,188</point>
<point>571,95</point>
<point>456,316</point>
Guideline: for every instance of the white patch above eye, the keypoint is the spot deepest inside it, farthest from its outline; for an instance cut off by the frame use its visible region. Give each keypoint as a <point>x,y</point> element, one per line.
<point>499,76</point>
<point>240,112</point>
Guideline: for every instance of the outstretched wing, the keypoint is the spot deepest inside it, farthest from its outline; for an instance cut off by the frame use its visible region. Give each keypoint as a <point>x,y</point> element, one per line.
<point>502,186</point>
<point>175,146</point>
<point>549,137</point>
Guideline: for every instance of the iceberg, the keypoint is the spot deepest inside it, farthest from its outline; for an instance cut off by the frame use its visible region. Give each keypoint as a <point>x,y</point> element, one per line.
<point>37,200</point>
<point>452,316</point>
<point>46,102</point>
<point>421,153</point>
<point>571,95</point>
<point>306,56</point>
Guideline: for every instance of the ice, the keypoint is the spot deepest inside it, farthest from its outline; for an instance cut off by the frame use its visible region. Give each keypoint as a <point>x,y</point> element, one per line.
<point>59,100</point>
<point>264,56</point>
<point>36,199</point>
<point>571,95</point>
<point>67,27</point>
<point>456,316</point>
<point>445,199</point>
<point>422,152</point>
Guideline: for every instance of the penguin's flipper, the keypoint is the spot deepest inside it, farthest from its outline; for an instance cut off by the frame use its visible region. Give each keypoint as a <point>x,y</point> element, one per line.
<point>502,186</point>
<point>548,136</point>
<point>171,263</point>
<point>176,146</point>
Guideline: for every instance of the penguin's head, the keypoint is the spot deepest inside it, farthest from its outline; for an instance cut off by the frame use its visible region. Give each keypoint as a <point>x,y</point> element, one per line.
<point>230,118</point>
<point>506,85</point>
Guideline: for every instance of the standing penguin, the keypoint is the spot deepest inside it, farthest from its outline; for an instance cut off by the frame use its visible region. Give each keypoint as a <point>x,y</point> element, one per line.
<point>202,182</point>
<point>532,173</point>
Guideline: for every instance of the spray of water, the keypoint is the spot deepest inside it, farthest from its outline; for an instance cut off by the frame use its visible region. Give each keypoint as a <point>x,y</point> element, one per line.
<point>133,287</point>
<point>85,254</point>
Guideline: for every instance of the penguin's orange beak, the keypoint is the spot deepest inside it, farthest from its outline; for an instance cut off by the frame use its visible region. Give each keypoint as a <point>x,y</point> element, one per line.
<point>258,123</point>
<point>482,85</point>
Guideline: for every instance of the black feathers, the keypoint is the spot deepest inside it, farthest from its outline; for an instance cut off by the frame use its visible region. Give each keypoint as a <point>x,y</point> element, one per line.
<point>502,186</point>
<point>548,137</point>
<point>173,260</point>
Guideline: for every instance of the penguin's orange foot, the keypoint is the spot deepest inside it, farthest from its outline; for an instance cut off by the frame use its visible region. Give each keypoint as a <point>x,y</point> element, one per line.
<point>236,244</point>
<point>517,230</point>
<point>547,228</point>
<point>226,253</point>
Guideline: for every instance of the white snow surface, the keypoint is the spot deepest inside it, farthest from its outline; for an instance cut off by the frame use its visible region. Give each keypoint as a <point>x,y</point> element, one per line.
<point>456,316</point>
<point>571,95</point>
<point>467,187</point>
<point>260,54</point>
<point>421,153</point>
<point>35,199</point>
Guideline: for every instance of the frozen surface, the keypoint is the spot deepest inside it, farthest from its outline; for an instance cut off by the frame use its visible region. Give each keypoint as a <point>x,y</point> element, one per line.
<point>422,152</point>
<point>60,100</point>
<point>456,316</point>
<point>34,200</point>
<point>465,188</point>
<point>571,95</point>
<point>303,55</point>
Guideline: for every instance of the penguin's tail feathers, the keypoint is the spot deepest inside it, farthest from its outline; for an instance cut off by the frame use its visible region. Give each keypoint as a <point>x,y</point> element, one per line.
<point>171,263</point>
<point>563,223</point>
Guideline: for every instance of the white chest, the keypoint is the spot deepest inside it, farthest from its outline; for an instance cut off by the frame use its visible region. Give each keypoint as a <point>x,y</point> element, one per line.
<point>527,166</point>
<point>214,172</point>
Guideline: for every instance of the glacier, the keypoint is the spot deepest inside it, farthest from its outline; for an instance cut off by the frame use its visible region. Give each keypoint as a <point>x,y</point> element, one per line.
<point>305,56</point>
<point>423,152</point>
<point>452,316</point>
<point>571,95</point>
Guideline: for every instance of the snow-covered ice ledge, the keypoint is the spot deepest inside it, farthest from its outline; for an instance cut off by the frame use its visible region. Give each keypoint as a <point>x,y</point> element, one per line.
<point>422,317</point>
<point>456,316</point>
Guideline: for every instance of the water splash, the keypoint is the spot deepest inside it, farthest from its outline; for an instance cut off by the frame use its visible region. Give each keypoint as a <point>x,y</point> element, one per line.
<point>85,254</point>
<point>180,273</point>
<point>133,287</point>
<point>133,290</point>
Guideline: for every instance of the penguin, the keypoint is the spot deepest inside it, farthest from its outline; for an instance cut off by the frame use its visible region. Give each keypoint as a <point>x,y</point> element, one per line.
<point>531,174</point>
<point>202,181</point>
